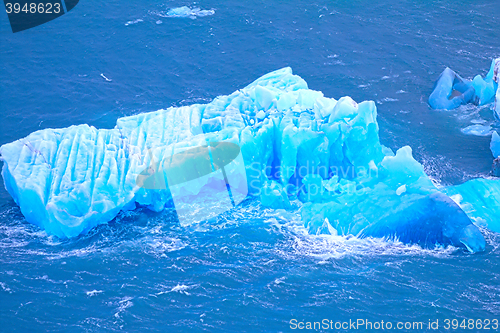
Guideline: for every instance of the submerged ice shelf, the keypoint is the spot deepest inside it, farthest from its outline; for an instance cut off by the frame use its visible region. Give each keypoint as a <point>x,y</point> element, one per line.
<point>274,139</point>
<point>479,198</point>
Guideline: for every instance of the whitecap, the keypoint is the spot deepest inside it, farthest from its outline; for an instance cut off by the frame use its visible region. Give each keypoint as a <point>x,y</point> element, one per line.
<point>133,22</point>
<point>93,292</point>
<point>388,99</point>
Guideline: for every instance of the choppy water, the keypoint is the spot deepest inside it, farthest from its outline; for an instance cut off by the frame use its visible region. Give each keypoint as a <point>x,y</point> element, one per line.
<point>252,269</point>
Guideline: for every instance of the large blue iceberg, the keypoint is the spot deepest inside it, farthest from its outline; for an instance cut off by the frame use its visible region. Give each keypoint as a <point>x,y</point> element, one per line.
<point>451,90</point>
<point>274,139</point>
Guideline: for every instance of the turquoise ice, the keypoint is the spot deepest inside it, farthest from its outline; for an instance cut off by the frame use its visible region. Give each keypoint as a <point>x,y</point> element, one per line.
<point>274,139</point>
<point>434,219</point>
<point>480,199</point>
<point>495,145</point>
<point>495,150</point>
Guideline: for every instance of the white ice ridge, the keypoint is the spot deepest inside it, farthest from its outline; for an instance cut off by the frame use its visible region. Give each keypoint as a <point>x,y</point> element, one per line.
<point>284,141</point>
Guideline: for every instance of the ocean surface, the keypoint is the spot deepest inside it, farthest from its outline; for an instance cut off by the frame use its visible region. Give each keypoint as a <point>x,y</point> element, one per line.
<point>254,269</point>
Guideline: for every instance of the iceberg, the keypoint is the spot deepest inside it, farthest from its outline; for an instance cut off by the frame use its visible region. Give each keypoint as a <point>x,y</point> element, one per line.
<point>186,11</point>
<point>275,139</point>
<point>451,91</point>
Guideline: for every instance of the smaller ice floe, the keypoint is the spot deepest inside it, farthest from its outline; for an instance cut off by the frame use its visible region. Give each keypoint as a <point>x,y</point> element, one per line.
<point>451,90</point>
<point>133,22</point>
<point>192,13</point>
<point>93,292</point>
<point>105,78</point>
<point>478,130</point>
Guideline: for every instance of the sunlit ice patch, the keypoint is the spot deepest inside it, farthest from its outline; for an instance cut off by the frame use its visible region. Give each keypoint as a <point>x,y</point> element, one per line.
<point>204,181</point>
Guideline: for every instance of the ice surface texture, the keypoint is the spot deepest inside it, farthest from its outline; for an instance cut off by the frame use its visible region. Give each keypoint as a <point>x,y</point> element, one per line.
<point>291,143</point>
<point>451,90</point>
<point>434,219</point>
<point>495,145</point>
<point>479,198</point>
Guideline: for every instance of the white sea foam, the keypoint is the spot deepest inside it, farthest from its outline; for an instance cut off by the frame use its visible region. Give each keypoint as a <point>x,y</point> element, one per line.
<point>4,287</point>
<point>134,22</point>
<point>179,288</point>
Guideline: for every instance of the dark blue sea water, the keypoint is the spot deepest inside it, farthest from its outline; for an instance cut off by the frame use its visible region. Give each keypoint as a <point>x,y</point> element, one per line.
<point>253,269</point>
